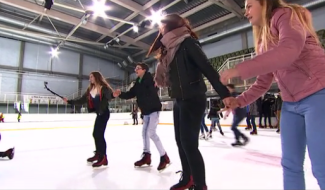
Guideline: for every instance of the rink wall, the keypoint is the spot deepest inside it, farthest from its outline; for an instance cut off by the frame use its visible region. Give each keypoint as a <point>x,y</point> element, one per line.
<point>166,118</point>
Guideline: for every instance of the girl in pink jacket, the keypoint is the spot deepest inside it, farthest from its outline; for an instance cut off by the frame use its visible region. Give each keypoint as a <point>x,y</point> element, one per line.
<point>288,50</point>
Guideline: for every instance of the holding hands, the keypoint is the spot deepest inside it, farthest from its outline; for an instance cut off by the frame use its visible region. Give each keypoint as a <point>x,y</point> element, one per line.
<point>116,93</point>
<point>228,74</point>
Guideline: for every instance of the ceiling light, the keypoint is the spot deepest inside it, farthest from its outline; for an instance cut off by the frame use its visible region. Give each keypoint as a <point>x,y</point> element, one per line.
<point>135,28</point>
<point>99,8</point>
<point>54,52</point>
<point>156,17</point>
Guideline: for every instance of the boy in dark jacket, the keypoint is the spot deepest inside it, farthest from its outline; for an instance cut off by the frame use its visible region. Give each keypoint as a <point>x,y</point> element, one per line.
<point>149,103</point>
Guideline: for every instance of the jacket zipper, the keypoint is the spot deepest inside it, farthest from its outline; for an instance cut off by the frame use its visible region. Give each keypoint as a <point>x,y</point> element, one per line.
<point>179,78</point>
<point>284,86</point>
<point>304,72</point>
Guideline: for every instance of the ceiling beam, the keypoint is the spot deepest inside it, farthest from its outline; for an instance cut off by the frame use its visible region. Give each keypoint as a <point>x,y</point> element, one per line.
<point>184,15</point>
<point>231,6</point>
<point>130,17</point>
<point>70,19</point>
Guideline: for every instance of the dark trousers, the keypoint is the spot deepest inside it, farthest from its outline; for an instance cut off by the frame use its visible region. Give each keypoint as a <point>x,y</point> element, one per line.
<point>187,121</point>
<point>267,117</point>
<point>248,120</point>
<point>203,125</point>
<point>234,126</point>
<point>99,132</point>
<point>252,117</point>
<point>135,120</point>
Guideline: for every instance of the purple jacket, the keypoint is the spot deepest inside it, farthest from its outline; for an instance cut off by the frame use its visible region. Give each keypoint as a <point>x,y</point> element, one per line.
<point>296,62</point>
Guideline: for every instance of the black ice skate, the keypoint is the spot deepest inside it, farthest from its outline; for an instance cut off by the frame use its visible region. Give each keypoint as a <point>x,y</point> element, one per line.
<point>145,160</point>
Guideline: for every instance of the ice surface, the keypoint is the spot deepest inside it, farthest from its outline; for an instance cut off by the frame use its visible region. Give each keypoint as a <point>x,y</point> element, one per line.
<point>56,159</point>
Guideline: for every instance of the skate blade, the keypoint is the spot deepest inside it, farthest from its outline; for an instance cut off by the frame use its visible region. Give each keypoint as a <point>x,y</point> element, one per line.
<point>100,167</point>
<point>160,171</point>
<point>144,166</point>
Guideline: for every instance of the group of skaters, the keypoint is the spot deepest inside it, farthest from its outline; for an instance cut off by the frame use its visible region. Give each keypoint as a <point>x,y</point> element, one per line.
<point>288,50</point>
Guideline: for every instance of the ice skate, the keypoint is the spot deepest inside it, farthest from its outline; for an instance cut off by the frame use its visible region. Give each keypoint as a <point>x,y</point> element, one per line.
<point>102,161</point>
<point>145,160</point>
<point>164,163</point>
<point>10,153</point>
<point>203,137</point>
<point>94,158</point>
<point>185,182</point>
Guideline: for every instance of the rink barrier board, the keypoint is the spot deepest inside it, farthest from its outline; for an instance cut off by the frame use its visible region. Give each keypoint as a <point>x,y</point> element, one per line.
<point>87,120</point>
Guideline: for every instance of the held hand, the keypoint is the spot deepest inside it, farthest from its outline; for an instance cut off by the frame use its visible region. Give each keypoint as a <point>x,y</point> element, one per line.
<point>116,93</point>
<point>65,100</point>
<point>228,74</point>
<point>231,102</point>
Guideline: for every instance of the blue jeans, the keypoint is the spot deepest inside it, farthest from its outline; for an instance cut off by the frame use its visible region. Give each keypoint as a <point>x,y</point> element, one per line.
<point>302,124</point>
<point>203,125</point>
<point>150,123</point>
<point>215,121</point>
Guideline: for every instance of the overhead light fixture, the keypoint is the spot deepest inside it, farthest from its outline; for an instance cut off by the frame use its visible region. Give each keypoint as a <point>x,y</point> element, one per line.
<point>54,52</point>
<point>99,8</point>
<point>135,28</point>
<point>156,16</point>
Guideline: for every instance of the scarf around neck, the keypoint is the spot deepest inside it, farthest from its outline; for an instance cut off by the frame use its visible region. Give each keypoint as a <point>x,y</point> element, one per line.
<point>171,41</point>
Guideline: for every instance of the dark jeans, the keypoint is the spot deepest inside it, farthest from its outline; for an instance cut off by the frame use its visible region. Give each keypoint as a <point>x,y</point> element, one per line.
<point>203,125</point>
<point>99,132</point>
<point>234,126</point>
<point>135,121</point>
<point>252,121</point>
<point>187,121</point>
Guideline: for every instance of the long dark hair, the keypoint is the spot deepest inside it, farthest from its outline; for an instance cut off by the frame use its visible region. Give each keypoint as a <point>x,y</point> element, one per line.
<point>172,21</point>
<point>100,80</point>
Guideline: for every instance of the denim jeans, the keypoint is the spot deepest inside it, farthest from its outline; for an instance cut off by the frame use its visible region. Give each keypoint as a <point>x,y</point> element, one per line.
<point>303,124</point>
<point>215,121</point>
<point>203,125</point>
<point>149,131</point>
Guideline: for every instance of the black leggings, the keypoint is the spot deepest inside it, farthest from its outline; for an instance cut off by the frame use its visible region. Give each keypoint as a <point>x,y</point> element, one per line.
<point>187,121</point>
<point>99,132</point>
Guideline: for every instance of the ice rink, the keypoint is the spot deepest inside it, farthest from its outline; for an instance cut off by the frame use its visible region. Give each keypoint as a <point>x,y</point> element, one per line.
<point>55,158</point>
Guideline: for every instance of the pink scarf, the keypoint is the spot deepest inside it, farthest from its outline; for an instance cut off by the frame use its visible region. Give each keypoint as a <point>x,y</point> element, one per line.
<point>171,42</point>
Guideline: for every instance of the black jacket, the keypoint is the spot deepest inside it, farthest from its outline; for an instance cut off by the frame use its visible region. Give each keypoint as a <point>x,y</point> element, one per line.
<point>213,113</point>
<point>186,69</point>
<point>106,95</point>
<point>146,94</point>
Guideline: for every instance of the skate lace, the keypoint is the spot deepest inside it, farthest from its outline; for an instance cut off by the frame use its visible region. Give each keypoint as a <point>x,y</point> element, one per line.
<point>180,171</point>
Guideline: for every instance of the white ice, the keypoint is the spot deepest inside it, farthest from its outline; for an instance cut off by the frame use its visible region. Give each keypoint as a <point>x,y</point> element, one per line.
<point>56,159</point>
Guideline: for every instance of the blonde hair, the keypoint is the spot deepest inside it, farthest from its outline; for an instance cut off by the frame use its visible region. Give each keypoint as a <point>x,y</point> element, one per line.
<point>262,34</point>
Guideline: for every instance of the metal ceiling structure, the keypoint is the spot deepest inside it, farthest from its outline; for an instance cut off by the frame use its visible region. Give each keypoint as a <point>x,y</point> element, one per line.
<point>72,24</point>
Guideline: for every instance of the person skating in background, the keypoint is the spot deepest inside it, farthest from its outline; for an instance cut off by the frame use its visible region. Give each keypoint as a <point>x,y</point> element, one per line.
<point>248,119</point>
<point>204,129</point>
<point>134,114</point>
<point>278,107</point>
<point>97,97</point>
<point>10,153</point>
<point>19,116</point>
<point>215,115</point>
<point>2,118</point>
<point>253,109</point>
<point>239,115</point>
<point>149,103</point>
